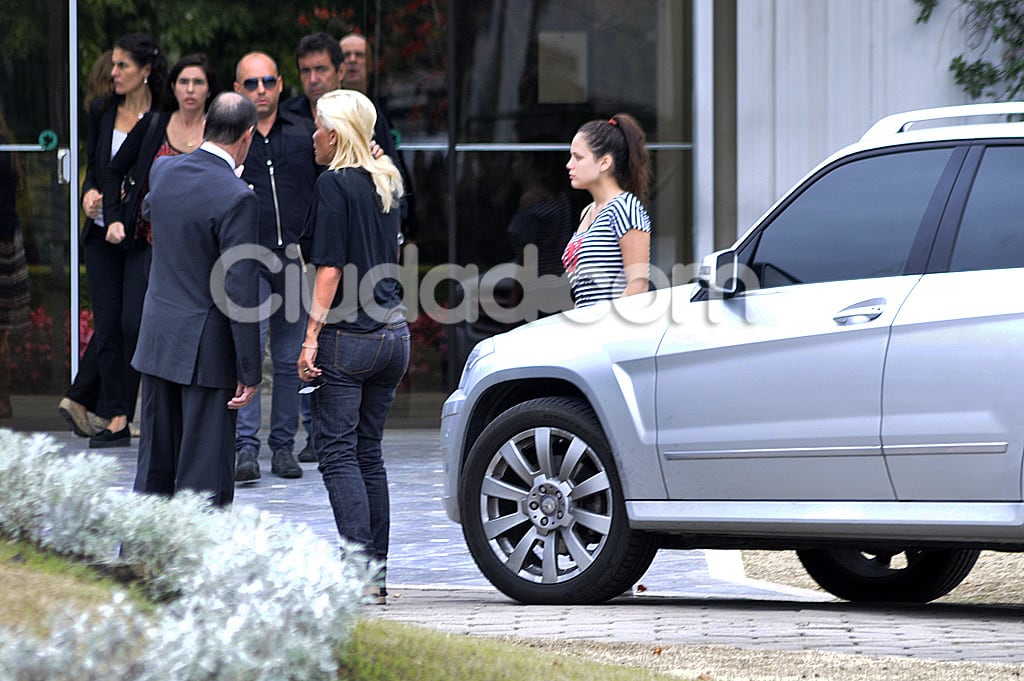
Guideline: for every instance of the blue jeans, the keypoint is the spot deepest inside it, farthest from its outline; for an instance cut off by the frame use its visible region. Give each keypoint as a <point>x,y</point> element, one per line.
<point>285,342</point>
<point>360,374</point>
<point>306,416</point>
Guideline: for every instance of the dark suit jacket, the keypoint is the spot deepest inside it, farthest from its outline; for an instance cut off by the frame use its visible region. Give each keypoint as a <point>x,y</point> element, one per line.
<point>200,210</point>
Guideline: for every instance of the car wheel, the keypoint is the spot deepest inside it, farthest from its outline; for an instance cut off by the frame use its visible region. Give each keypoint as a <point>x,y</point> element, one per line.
<point>910,576</point>
<point>542,506</point>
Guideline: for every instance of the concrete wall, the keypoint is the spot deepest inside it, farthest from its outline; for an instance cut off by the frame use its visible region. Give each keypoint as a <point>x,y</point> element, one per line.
<point>813,75</point>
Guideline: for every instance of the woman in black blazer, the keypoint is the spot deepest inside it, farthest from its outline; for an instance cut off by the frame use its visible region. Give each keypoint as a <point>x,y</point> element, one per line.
<point>139,76</point>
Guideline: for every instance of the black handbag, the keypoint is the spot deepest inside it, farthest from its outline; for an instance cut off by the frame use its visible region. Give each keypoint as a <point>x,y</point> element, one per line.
<point>131,188</point>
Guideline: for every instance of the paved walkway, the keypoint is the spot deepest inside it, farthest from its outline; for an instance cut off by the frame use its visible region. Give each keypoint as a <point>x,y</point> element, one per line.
<point>689,597</point>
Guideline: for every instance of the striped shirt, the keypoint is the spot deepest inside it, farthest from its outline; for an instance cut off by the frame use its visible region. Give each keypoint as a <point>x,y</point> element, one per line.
<point>593,258</point>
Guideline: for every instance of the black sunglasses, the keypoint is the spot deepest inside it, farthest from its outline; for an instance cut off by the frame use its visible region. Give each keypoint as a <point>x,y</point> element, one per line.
<point>251,84</point>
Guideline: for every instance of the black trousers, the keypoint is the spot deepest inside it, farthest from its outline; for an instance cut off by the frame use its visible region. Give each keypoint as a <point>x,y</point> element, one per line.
<point>117,287</point>
<point>85,389</point>
<point>187,441</point>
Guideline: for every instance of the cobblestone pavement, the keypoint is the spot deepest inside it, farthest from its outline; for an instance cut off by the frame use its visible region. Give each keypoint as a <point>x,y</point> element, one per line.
<point>689,597</point>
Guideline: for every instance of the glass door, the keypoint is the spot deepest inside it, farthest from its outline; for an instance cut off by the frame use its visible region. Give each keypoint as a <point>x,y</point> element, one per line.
<point>39,306</point>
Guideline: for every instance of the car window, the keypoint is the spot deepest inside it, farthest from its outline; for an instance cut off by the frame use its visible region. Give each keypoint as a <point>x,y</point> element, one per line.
<point>991,232</point>
<point>857,221</point>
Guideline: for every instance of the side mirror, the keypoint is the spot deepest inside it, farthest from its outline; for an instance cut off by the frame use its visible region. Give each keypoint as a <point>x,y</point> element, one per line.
<point>719,273</point>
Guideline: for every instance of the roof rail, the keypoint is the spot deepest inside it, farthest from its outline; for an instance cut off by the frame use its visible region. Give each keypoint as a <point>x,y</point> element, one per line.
<point>901,122</point>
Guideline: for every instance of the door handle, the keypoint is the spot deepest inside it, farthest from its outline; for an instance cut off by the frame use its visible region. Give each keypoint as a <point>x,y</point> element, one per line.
<point>64,166</point>
<point>859,313</point>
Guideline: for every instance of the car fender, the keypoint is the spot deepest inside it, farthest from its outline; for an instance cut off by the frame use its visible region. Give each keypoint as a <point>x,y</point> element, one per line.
<point>608,360</point>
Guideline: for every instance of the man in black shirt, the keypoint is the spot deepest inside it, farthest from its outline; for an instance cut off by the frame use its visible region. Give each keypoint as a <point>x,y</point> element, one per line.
<point>282,172</point>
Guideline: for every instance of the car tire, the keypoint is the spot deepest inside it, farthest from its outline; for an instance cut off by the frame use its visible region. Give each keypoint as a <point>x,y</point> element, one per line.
<point>909,576</point>
<point>543,511</point>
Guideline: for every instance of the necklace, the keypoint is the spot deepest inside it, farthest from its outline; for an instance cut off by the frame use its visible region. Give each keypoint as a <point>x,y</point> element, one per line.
<point>187,133</point>
<point>139,111</point>
<point>138,115</point>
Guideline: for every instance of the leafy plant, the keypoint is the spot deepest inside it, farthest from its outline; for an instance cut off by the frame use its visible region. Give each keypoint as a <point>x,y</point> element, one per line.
<point>241,595</point>
<point>995,31</point>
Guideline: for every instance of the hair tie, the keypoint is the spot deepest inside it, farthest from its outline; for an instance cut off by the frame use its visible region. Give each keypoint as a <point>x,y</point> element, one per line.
<point>613,121</point>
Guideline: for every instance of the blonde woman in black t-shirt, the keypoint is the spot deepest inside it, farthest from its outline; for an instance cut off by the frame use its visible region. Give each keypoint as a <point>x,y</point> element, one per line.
<point>357,342</point>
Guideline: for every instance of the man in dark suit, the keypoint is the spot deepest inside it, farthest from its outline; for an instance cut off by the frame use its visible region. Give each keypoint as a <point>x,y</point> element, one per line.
<point>198,348</point>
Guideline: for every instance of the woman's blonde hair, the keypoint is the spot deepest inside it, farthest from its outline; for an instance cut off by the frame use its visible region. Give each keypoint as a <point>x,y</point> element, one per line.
<point>352,116</point>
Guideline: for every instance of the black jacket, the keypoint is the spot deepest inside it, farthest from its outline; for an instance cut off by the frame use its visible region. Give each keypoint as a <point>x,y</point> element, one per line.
<point>132,162</point>
<point>102,115</point>
<point>282,170</point>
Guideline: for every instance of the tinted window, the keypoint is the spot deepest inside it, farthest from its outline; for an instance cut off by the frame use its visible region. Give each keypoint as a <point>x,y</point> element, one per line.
<point>858,221</point>
<point>992,229</point>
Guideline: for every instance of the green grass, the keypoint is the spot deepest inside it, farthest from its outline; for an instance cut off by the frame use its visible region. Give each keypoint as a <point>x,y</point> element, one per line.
<point>391,651</point>
<point>34,584</point>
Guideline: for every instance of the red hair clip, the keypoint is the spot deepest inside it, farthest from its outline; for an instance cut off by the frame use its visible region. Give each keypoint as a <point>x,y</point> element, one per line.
<point>613,121</point>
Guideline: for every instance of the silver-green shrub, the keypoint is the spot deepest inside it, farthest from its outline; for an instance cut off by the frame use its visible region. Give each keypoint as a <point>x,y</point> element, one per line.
<point>241,595</point>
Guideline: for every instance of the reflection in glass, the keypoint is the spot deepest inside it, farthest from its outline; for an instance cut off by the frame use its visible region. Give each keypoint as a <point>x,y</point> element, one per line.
<point>34,101</point>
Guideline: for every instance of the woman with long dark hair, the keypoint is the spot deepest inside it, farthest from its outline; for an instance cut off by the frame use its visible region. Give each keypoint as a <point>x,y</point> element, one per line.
<point>139,76</point>
<point>609,255</point>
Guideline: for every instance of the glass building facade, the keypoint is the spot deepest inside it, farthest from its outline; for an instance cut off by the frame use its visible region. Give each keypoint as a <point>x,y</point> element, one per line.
<point>484,97</point>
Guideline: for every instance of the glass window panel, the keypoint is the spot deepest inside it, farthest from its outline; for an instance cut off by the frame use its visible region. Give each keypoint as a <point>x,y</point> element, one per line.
<point>992,229</point>
<point>34,113</point>
<point>534,71</point>
<point>855,222</point>
<point>410,66</point>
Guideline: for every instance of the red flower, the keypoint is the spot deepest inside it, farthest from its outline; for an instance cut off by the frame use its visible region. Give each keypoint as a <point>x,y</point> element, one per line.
<point>85,330</point>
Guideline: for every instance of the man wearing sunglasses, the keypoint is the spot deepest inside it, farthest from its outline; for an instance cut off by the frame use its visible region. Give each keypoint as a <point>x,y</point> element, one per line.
<point>281,169</point>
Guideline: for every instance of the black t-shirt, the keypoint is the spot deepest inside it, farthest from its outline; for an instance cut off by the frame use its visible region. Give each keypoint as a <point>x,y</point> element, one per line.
<point>347,228</point>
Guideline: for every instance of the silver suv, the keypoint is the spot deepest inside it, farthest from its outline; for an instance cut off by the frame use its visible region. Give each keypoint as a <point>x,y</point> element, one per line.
<point>846,381</point>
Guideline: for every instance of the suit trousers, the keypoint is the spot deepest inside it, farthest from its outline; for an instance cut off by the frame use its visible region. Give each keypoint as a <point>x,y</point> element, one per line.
<point>187,441</point>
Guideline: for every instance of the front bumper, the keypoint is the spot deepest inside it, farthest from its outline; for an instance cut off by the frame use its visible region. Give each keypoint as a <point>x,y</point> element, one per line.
<point>452,435</point>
